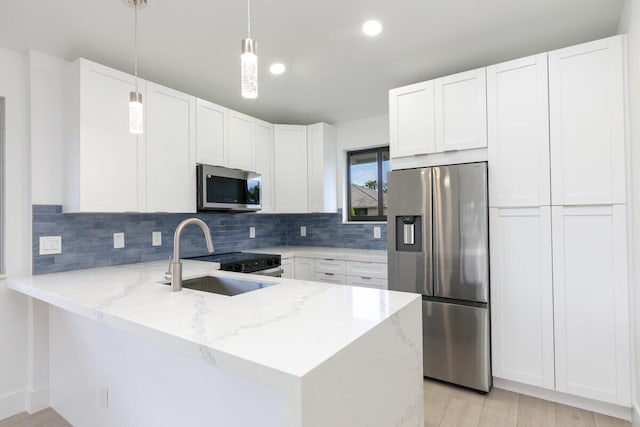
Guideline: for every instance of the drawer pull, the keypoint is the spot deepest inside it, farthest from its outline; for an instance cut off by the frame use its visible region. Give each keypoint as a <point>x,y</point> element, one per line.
<point>366,278</point>
<point>329,274</point>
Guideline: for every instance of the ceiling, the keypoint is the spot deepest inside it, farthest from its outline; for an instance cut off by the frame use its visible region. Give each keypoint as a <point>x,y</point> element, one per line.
<point>334,72</point>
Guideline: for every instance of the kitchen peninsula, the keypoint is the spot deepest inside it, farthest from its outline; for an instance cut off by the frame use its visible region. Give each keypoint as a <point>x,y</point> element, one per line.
<point>126,351</point>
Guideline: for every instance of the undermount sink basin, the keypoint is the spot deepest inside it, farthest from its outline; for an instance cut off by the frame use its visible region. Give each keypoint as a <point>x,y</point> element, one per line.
<point>222,285</point>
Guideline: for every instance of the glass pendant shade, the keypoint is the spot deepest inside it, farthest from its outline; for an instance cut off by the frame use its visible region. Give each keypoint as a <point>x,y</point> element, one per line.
<point>136,118</point>
<point>249,69</point>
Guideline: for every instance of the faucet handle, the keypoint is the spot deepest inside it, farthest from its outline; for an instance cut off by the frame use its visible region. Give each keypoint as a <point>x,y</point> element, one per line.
<point>167,274</point>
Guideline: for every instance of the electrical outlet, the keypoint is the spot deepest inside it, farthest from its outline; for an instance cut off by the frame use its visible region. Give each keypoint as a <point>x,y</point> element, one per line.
<point>156,238</point>
<point>303,231</point>
<point>50,245</point>
<point>252,232</point>
<point>376,232</point>
<point>118,240</point>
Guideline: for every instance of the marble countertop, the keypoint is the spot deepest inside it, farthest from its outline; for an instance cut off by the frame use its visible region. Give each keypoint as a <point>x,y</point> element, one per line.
<point>364,255</point>
<point>269,335</point>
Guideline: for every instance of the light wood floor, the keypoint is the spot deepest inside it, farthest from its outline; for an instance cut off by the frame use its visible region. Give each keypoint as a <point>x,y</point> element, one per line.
<point>444,406</point>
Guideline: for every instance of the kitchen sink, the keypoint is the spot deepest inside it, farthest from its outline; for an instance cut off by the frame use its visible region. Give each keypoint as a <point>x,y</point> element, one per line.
<point>222,285</point>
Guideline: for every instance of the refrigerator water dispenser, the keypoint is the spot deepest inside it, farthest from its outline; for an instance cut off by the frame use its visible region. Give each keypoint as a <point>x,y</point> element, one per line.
<point>409,233</point>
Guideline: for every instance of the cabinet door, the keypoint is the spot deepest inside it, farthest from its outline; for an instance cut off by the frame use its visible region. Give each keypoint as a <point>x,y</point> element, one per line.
<point>411,120</point>
<point>586,101</point>
<point>109,159</point>
<point>305,268</point>
<point>522,295</point>
<point>461,111</point>
<point>518,129</point>
<point>366,269</point>
<point>212,131</point>
<point>264,163</point>
<point>591,302</point>
<point>170,148</point>
<point>288,269</point>
<point>291,168</point>
<point>321,163</point>
<point>240,150</point>
<point>336,279</point>
<point>367,282</point>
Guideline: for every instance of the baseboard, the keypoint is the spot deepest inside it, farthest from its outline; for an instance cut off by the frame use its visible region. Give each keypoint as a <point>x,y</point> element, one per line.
<point>609,409</point>
<point>37,400</point>
<point>11,403</point>
<point>636,416</point>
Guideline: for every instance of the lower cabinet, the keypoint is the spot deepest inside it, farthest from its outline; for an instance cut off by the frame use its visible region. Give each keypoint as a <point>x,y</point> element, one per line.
<point>560,316</point>
<point>338,279</point>
<point>340,272</point>
<point>305,268</point>
<point>288,268</point>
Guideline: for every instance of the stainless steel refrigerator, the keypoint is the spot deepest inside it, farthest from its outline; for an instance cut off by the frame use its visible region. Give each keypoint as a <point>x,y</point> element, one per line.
<point>438,247</point>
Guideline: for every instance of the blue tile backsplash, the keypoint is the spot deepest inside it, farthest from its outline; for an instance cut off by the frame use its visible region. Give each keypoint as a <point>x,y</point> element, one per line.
<point>87,239</point>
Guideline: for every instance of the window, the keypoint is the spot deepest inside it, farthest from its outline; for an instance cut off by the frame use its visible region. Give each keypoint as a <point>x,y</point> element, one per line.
<point>367,184</point>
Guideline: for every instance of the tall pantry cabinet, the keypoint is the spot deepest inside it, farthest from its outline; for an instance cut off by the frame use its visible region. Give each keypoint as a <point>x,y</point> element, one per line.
<point>558,221</point>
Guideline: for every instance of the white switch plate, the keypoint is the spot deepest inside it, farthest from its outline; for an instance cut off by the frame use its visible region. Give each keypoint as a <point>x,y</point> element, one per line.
<point>252,232</point>
<point>156,238</point>
<point>50,245</point>
<point>118,240</point>
<point>303,230</point>
<point>376,232</point>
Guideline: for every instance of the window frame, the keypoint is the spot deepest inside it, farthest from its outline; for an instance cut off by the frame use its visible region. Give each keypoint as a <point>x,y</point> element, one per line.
<point>379,160</point>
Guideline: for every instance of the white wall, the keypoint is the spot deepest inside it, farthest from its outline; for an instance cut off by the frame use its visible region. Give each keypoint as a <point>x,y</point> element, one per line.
<point>16,205</point>
<point>630,24</point>
<point>356,135</point>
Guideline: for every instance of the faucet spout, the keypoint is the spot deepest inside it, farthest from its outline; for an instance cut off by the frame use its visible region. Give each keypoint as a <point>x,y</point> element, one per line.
<point>176,266</point>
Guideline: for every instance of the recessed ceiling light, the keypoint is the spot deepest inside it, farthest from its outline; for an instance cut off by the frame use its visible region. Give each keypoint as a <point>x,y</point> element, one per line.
<point>277,68</point>
<point>372,27</point>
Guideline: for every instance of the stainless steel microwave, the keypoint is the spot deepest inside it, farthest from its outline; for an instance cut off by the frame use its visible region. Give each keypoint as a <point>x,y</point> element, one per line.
<point>227,189</point>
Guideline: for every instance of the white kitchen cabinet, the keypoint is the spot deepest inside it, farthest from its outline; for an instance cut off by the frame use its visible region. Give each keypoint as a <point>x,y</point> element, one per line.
<point>331,266</point>
<point>305,268</point>
<point>586,103</point>
<point>461,111</point>
<point>290,162</point>
<point>522,296</point>
<point>104,163</point>
<point>212,133</point>
<point>518,132</point>
<point>367,282</point>
<point>411,120</point>
<point>170,150</point>
<point>264,163</point>
<point>336,279</point>
<point>591,302</point>
<point>240,148</point>
<point>288,268</point>
<point>366,269</point>
<point>321,168</point>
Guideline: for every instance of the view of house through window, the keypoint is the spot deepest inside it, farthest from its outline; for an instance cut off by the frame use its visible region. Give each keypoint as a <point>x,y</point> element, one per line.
<point>367,184</point>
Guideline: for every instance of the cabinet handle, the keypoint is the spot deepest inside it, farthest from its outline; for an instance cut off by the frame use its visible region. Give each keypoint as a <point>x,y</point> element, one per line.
<point>450,151</point>
<point>329,274</point>
<point>420,154</point>
<point>366,278</point>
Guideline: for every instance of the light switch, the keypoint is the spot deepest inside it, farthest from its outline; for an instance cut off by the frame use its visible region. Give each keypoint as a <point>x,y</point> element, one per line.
<point>118,240</point>
<point>303,231</point>
<point>156,238</point>
<point>376,232</point>
<point>252,232</point>
<point>50,245</point>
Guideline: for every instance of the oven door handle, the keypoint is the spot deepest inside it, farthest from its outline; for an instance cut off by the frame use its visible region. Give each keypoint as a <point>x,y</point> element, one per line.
<point>273,272</point>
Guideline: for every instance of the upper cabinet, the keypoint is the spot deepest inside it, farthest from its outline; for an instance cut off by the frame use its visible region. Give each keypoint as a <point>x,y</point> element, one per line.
<point>240,148</point>
<point>212,133</point>
<point>586,102</point>
<point>439,116</point>
<point>291,182</point>
<point>321,163</point>
<point>411,120</point>
<point>518,130</point>
<point>461,111</point>
<point>103,161</point>
<point>264,163</point>
<point>170,150</point>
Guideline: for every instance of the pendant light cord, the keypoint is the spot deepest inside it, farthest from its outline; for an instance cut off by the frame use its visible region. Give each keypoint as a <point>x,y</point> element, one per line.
<point>135,42</point>
<point>249,18</point>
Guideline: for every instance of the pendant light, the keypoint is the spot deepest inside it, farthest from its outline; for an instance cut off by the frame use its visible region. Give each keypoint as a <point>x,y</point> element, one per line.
<point>136,110</point>
<point>249,62</point>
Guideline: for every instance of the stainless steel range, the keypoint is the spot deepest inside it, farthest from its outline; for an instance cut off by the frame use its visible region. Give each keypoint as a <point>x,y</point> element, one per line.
<point>246,262</point>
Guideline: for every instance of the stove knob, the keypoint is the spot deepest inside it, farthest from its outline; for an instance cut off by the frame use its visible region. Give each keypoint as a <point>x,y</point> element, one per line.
<point>237,268</point>
<point>269,262</point>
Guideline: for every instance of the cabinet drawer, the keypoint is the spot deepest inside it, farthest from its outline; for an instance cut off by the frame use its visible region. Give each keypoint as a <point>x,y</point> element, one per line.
<point>338,279</point>
<point>367,269</point>
<point>334,266</point>
<point>369,282</point>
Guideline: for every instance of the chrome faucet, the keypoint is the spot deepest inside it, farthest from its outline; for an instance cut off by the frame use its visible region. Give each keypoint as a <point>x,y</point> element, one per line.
<point>175,266</point>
